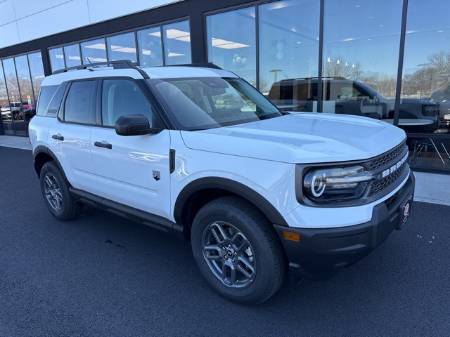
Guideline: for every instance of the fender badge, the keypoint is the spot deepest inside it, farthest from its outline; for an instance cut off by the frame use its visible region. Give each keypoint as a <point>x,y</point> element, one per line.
<point>156,175</point>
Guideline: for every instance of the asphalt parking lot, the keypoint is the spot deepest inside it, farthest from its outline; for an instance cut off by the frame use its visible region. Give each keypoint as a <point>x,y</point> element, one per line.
<point>101,275</point>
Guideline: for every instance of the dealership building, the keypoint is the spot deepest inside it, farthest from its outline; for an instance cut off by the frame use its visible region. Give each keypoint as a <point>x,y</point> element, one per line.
<point>383,59</point>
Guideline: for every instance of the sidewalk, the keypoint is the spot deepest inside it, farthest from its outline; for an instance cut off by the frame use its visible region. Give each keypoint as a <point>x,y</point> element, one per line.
<point>15,142</point>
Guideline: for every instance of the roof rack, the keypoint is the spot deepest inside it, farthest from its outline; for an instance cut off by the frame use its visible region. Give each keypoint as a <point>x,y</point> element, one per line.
<point>200,65</point>
<point>315,78</point>
<point>119,64</point>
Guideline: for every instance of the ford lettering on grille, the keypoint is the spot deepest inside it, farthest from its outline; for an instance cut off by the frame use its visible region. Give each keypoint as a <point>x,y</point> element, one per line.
<point>394,167</point>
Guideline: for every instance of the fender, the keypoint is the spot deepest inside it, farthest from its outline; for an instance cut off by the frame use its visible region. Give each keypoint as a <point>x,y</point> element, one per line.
<point>43,149</point>
<point>261,203</point>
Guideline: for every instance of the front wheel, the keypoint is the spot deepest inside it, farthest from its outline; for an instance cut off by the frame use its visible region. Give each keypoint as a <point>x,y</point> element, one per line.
<point>237,251</point>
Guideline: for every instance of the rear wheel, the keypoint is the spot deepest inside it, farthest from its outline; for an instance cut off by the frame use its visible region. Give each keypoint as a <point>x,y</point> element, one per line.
<point>55,190</point>
<point>237,251</point>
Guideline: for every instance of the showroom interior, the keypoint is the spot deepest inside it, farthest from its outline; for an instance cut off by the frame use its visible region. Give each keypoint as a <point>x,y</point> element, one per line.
<point>383,59</point>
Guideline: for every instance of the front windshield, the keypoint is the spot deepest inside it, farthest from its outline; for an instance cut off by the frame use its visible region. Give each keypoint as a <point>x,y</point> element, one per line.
<point>211,102</point>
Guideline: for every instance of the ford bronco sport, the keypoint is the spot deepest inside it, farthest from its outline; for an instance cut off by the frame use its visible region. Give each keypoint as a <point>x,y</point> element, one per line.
<point>199,151</point>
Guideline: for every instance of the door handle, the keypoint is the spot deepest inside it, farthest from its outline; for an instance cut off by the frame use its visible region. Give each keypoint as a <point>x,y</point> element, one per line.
<point>58,137</point>
<point>104,145</point>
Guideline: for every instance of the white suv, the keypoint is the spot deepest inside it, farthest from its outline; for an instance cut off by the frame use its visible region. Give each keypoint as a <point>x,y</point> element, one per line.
<point>199,151</point>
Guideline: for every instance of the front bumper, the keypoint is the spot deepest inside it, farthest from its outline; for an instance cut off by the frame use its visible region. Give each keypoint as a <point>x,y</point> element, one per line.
<point>326,249</point>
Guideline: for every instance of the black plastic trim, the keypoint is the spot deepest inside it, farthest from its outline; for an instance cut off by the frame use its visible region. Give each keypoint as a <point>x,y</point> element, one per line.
<point>43,149</point>
<point>230,186</point>
<point>325,249</point>
<point>172,154</point>
<point>146,218</point>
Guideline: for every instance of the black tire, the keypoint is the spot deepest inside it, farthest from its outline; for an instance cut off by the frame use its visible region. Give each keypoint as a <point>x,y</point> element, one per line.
<point>68,209</point>
<point>265,253</point>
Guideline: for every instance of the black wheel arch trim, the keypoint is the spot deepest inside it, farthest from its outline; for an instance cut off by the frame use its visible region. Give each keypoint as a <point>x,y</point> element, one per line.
<point>43,149</point>
<point>230,186</point>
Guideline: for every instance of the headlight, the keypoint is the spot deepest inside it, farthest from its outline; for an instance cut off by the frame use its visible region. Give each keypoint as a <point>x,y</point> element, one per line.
<point>335,184</point>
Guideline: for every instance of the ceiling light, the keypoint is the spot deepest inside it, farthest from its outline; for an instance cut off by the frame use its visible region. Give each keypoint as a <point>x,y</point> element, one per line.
<point>278,5</point>
<point>94,59</point>
<point>179,35</point>
<point>95,46</point>
<point>171,54</point>
<point>157,34</point>
<point>225,44</point>
<point>121,49</point>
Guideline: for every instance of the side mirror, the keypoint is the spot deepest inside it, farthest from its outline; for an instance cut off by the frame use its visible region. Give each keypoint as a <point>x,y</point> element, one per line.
<point>134,125</point>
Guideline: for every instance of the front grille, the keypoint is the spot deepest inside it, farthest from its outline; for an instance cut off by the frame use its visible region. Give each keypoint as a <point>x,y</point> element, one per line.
<point>380,185</point>
<point>385,162</point>
<point>387,158</point>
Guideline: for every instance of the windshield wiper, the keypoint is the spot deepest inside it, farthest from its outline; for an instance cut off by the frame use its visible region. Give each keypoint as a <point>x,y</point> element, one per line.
<point>269,116</point>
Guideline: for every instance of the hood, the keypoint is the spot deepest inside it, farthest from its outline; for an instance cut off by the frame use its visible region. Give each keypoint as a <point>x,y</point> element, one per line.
<point>300,138</point>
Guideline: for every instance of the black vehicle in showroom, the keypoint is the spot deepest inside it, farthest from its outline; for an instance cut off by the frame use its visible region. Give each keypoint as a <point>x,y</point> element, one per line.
<point>344,96</point>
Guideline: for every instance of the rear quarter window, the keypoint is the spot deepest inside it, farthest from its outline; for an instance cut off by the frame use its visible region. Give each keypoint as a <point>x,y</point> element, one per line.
<point>49,100</point>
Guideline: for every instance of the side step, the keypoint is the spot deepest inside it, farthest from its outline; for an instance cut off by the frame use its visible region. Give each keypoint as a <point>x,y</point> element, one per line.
<point>128,212</point>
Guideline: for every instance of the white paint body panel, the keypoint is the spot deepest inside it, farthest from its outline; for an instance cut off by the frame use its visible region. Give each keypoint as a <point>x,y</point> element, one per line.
<point>125,173</point>
<point>301,138</point>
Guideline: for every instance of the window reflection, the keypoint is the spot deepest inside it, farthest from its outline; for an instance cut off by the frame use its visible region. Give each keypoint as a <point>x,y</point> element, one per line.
<point>72,55</point>
<point>93,51</point>
<point>5,111</point>
<point>360,58</point>
<point>56,59</point>
<point>177,43</point>
<point>122,47</point>
<point>232,42</point>
<point>26,111</point>
<point>36,70</point>
<point>13,95</point>
<point>425,102</point>
<point>150,47</point>
<point>289,51</point>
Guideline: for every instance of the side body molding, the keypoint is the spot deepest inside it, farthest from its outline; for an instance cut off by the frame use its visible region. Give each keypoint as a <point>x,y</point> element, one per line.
<point>230,186</point>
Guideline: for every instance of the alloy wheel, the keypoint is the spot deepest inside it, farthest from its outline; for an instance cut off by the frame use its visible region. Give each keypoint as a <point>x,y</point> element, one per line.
<point>229,254</point>
<point>52,192</point>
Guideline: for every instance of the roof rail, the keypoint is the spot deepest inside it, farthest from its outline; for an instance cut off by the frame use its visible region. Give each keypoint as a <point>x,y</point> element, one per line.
<point>119,64</point>
<point>315,78</point>
<point>200,65</point>
<point>127,64</point>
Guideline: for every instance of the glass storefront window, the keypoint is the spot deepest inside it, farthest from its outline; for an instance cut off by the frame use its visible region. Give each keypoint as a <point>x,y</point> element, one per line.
<point>27,109</point>
<point>5,111</point>
<point>425,100</point>
<point>12,87</point>
<point>72,55</point>
<point>150,47</point>
<point>24,79</point>
<point>122,47</point>
<point>177,43</point>
<point>56,59</point>
<point>289,53</point>
<point>37,71</point>
<point>360,57</point>
<point>93,51</point>
<point>232,42</point>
